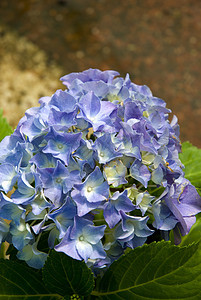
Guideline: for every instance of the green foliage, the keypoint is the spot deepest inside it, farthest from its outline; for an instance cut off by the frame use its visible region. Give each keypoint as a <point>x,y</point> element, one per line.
<point>191,158</point>
<point>20,282</point>
<point>63,278</point>
<point>67,276</point>
<point>5,128</point>
<point>156,271</point>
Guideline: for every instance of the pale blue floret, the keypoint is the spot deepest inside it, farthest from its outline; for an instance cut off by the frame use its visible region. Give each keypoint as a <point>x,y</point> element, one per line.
<point>89,194</point>
<point>8,177</point>
<point>105,149</point>
<point>63,217</point>
<point>140,172</point>
<point>25,192</point>
<point>132,231</point>
<point>157,175</point>
<point>115,172</point>
<point>61,145</point>
<point>118,202</point>
<point>99,88</point>
<point>76,167</point>
<point>4,200</point>
<point>118,93</point>
<point>183,202</point>
<point>12,212</point>
<point>143,201</point>
<point>128,145</point>
<point>163,217</point>
<point>21,234</point>
<point>56,181</point>
<point>62,120</point>
<point>36,123</point>
<point>39,227</point>
<point>148,141</point>
<point>89,75</point>
<point>63,101</point>
<point>33,257</point>
<point>83,240</point>
<point>85,154</point>
<point>42,160</point>
<point>39,204</point>
<point>132,111</point>
<point>19,157</point>
<point>96,112</point>
<point>8,144</point>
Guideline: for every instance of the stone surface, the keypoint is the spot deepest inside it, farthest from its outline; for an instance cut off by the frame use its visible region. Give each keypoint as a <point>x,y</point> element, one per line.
<point>157,42</point>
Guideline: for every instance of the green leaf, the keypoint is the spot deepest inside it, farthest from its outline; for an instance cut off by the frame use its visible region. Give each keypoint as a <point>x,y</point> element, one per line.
<point>191,158</point>
<point>155,271</point>
<point>5,127</point>
<point>67,276</point>
<point>20,282</point>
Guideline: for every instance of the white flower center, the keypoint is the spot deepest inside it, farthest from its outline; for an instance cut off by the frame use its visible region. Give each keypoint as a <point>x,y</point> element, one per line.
<point>21,227</point>
<point>81,238</point>
<point>58,180</point>
<point>60,146</point>
<point>89,189</point>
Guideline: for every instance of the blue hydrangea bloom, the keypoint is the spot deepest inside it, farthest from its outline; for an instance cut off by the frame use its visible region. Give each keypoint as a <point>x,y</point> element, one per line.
<point>82,171</point>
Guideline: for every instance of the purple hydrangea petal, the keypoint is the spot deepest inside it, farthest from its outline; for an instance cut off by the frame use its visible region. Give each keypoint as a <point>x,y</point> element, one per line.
<point>8,176</point>
<point>21,235</point>
<point>105,149</point>
<point>118,202</point>
<point>62,145</point>
<point>140,172</point>
<point>79,237</point>
<point>4,229</point>
<point>89,75</point>
<point>63,101</point>
<point>33,257</point>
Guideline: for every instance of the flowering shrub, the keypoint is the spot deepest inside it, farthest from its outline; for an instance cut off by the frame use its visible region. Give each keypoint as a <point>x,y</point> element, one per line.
<point>93,171</point>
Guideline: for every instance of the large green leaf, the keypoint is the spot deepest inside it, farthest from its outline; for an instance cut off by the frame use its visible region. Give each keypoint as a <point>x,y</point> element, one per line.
<point>191,158</point>
<point>67,276</point>
<point>5,128</point>
<point>155,271</point>
<point>20,282</point>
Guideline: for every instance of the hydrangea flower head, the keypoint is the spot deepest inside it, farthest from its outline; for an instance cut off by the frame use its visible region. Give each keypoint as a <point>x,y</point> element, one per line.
<point>82,169</point>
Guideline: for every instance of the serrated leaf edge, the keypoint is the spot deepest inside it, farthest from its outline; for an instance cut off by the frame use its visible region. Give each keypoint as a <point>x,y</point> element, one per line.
<point>129,289</point>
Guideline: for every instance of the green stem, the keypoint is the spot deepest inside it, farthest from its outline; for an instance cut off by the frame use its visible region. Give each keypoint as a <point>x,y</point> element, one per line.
<point>2,251</point>
<point>157,189</point>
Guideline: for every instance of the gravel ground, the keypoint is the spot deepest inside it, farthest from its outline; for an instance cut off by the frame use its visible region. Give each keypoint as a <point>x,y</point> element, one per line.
<point>157,42</point>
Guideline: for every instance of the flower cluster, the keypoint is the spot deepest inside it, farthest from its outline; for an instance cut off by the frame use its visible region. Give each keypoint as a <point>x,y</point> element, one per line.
<point>92,171</point>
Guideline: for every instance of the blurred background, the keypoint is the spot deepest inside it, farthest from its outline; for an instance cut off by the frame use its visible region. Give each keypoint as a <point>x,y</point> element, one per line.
<point>157,42</point>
